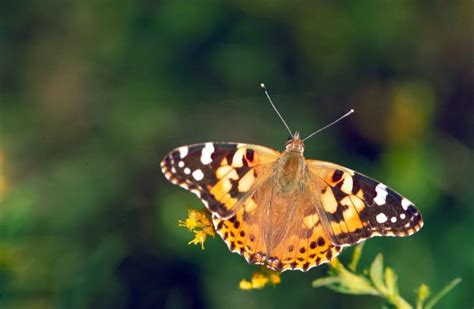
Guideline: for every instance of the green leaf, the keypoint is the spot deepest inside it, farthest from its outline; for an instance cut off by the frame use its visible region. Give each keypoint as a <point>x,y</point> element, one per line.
<point>376,274</point>
<point>358,285</point>
<point>324,282</point>
<point>392,295</point>
<point>442,293</point>
<point>345,290</point>
<point>391,281</point>
<point>344,281</point>
<point>400,303</point>
<point>356,257</point>
<point>354,283</point>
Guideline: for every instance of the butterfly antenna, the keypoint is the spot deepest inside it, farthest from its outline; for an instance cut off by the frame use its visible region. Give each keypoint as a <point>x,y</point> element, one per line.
<point>327,126</point>
<point>276,110</point>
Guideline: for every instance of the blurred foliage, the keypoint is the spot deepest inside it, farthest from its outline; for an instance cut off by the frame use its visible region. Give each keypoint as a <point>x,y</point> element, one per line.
<point>94,93</point>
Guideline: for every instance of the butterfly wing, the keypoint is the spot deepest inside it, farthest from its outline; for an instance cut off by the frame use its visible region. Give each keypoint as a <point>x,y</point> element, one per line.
<point>356,207</point>
<point>278,228</point>
<point>222,175</point>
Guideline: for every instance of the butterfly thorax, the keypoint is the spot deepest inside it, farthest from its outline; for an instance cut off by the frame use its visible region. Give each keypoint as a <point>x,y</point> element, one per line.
<point>291,164</point>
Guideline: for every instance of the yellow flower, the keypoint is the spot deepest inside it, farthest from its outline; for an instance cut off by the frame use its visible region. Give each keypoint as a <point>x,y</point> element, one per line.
<point>199,238</point>
<point>260,279</point>
<point>275,278</point>
<point>200,224</point>
<point>245,285</point>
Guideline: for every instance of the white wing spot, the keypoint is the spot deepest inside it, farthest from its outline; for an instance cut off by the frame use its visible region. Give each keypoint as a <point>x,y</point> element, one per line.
<point>206,153</point>
<point>195,191</point>
<point>181,164</point>
<point>347,184</point>
<point>237,159</point>
<point>393,219</point>
<point>381,218</point>
<point>381,194</point>
<point>183,151</point>
<point>187,171</point>
<point>402,216</point>
<point>198,175</point>
<point>173,170</point>
<point>405,203</point>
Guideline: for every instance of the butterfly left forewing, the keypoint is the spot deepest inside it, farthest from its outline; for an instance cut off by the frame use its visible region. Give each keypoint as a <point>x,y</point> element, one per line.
<point>356,207</point>
<point>220,174</point>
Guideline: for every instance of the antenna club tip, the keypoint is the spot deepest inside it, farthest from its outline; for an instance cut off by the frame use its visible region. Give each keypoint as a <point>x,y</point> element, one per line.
<point>262,85</point>
<point>351,111</point>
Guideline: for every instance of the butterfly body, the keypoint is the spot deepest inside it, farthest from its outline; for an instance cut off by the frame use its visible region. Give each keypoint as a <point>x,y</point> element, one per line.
<point>283,211</point>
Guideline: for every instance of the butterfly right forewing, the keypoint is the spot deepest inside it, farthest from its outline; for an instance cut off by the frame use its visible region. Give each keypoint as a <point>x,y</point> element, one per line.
<point>356,207</point>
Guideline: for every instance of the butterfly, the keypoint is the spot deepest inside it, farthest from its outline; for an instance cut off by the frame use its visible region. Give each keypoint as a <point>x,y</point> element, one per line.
<point>283,211</point>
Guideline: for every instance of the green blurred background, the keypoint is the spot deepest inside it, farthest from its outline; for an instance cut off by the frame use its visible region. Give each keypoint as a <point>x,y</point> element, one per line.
<point>95,93</point>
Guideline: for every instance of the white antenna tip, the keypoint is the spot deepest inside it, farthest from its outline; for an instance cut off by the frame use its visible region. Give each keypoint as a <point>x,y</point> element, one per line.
<point>351,111</point>
<point>262,85</point>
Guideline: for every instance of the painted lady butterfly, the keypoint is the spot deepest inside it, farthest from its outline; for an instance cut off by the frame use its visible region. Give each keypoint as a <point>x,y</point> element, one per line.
<point>282,210</point>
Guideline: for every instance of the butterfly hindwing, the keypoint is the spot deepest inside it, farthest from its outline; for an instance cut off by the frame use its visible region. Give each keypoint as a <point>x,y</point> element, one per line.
<point>220,174</point>
<point>357,207</point>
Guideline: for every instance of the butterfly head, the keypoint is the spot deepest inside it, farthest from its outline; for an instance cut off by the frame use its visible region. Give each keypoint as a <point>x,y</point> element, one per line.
<point>295,144</point>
